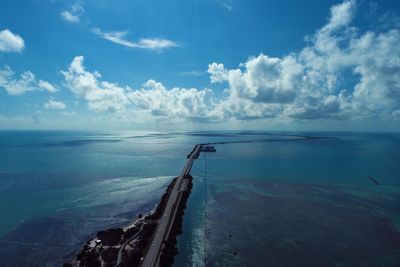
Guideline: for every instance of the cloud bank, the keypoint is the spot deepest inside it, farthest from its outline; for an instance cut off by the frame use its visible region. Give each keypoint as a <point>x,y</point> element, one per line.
<point>153,99</point>
<point>309,84</point>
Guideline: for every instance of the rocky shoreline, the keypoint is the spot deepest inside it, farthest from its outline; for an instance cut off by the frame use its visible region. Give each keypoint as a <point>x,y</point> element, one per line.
<point>128,246</point>
<point>170,249</point>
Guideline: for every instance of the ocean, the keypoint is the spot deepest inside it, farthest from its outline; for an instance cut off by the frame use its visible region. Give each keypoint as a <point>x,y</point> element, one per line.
<point>280,202</point>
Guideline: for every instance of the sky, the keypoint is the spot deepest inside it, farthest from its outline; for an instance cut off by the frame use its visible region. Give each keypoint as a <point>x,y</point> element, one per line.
<point>200,65</point>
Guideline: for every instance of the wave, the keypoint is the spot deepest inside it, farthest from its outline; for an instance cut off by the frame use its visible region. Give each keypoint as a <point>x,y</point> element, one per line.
<point>198,248</point>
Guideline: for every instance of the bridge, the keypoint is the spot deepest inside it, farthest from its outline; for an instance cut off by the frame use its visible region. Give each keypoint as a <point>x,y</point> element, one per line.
<point>165,223</point>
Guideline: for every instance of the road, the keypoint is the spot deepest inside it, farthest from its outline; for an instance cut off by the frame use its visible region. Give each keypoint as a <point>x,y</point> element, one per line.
<point>165,223</point>
<point>121,249</point>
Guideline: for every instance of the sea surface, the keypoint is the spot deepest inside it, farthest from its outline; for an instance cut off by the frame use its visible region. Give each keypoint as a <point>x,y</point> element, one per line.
<point>279,200</point>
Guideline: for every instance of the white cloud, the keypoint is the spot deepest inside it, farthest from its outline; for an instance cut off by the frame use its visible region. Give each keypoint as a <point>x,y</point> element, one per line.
<point>156,43</point>
<point>119,37</point>
<point>46,86</point>
<point>10,42</point>
<point>341,15</point>
<point>53,104</point>
<point>308,84</point>
<point>27,82</point>
<point>264,79</point>
<point>101,96</point>
<point>311,84</point>
<point>218,73</point>
<point>68,16</point>
<point>152,100</point>
<point>74,14</point>
<point>190,104</point>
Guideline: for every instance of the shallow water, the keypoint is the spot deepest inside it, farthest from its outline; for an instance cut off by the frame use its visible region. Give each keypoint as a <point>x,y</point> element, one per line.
<point>306,203</point>
<point>59,188</point>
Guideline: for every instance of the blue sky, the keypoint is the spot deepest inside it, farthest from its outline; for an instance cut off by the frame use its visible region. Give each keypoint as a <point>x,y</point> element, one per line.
<point>202,64</point>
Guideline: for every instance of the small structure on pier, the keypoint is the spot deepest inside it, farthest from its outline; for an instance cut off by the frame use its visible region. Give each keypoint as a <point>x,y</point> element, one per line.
<point>208,149</point>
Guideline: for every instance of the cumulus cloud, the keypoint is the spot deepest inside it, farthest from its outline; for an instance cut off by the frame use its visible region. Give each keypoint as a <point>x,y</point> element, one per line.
<point>218,73</point>
<point>311,84</point>
<point>119,37</point>
<point>54,104</point>
<point>341,15</point>
<point>191,104</point>
<point>263,79</point>
<point>74,14</point>
<point>101,95</point>
<point>27,82</point>
<point>153,99</point>
<point>10,42</point>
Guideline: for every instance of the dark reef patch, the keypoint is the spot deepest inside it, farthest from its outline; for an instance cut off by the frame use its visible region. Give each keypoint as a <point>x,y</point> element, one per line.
<point>284,224</point>
<point>81,142</point>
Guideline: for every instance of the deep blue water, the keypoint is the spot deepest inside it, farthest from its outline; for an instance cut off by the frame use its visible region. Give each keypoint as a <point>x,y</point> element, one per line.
<point>57,188</point>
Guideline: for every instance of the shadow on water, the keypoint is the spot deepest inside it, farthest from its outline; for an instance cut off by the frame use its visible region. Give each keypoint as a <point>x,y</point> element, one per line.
<point>80,142</point>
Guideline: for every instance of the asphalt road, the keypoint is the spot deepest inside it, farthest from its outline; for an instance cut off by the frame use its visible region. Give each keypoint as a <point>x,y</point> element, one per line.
<point>165,223</point>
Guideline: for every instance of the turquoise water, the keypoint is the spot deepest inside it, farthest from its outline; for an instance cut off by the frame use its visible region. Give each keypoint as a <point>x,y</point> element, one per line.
<point>59,188</point>
<point>272,202</point>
